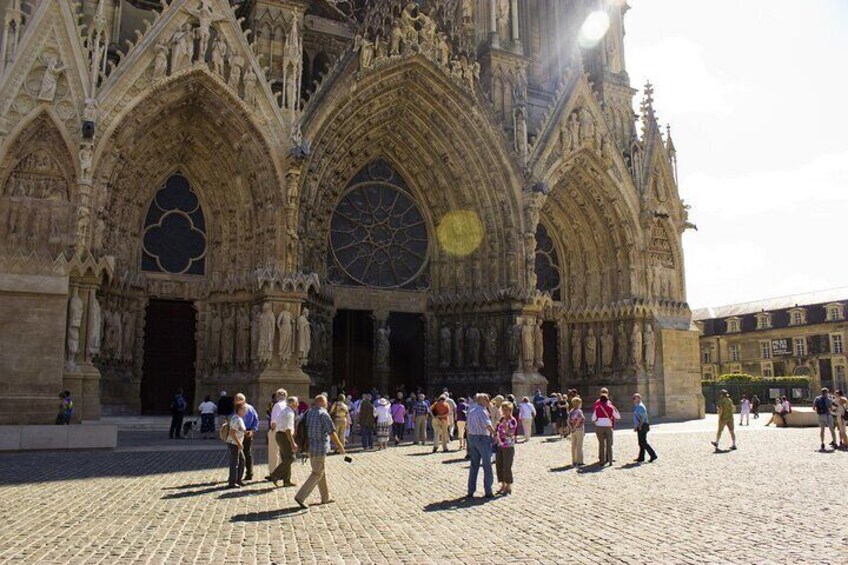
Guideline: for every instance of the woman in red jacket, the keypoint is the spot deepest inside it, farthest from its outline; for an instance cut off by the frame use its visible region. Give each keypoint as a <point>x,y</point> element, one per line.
<point>604,416</point>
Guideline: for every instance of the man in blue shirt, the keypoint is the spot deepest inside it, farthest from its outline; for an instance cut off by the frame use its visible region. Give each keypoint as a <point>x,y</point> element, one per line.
<point>178,407</point>
<point>320,430</point>
<point>641,424</point>
<point>251,425</point>
<point>480,432</point>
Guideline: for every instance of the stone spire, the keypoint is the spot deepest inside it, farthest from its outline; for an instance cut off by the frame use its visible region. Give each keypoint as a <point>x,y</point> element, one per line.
<point>292,68</point>
<point>649,118</point>
<point>98,39</point>
<point>671,150</point>
<point>12,31</point>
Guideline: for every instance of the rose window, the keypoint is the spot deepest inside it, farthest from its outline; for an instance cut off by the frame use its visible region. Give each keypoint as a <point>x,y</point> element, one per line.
<point>174,239</point>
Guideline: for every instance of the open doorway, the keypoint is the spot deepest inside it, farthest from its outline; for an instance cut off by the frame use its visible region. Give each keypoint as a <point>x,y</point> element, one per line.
<point>353,343</point>
<point>407,352</point>
<point>169,355</point>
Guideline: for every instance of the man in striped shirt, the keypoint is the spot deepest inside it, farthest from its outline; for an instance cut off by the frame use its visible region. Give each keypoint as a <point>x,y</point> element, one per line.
<point>480,432</point>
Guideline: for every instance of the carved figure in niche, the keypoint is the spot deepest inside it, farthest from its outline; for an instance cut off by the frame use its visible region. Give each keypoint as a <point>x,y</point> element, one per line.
<point>114,333</point>
<point>94,328</point>
<point>636,345</point>
<point>183,48</point>
<point>396,38</point>
<point>75,307</point>
<point>215,330</point>
<point>444,346</point>
<point>607,349</point>
<point>243,337</point>
<point>458,343</point>
<point>54,67</point>
<point>383,346</point>
<point>205,17</point>
<point>490,346</point>
<point>379,48</point>
<point>443,51</point>
<point>255,315</point>
<point>219,56</point>
<point>502,16</point>
<point>267,324</point>
<point>366,51</point>
<point>576,350</point>
<point>236,64</point>
<point>527,339</point>
<point>39,228</point>
<point>650,346</point>
<point>591,350</point>
<point>160,61</point>
<point>515,343</point>
<point>473,338</point>
<point>408,20</point>
<point>456,69</point>
<point>622,346</point>
<point>304,338</point>
<point>427,33</point>
<point>228,335</point>
<point>539,345</point>
<point>86,157</point>
<point>587,125</point>
<point>285,329</point>
<point>467,11</point>
<point>250,88</point>
<point>128,348</point>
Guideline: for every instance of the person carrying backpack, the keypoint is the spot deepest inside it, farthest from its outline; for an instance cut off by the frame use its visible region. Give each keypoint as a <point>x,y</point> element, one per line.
<point>178,407</point>
<point>823,406</point>
<point>319,428</point>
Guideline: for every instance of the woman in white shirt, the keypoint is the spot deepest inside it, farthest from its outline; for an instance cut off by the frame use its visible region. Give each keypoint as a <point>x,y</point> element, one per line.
<point>207,410</point>
<point>526,413</point>
<point>744,411</point>
<point>383,413</point>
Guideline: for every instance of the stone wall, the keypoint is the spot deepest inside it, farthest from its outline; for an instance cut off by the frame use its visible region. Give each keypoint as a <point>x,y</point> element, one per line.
<point>33,310</point>
<point>678,354</point>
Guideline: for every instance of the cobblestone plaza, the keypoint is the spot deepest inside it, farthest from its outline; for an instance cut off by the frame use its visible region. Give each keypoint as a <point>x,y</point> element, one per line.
<point>775,500</point>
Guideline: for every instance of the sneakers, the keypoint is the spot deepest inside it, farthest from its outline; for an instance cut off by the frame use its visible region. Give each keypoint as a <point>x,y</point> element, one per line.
<point>732,448</point>
<point>822,448</point>
<point>715,444</point>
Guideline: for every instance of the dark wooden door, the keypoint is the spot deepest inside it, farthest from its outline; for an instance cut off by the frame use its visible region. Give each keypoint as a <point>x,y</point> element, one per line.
<point>550,339</point>
<point>169,355</point>
<point>407,353</point>
<point>353,343</point>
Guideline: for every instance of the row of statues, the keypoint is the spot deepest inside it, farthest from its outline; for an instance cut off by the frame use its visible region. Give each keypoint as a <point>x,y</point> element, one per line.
<point>471,347</point>
<point>78,320</point>
<point>580,129</point>
<point>606,350</point>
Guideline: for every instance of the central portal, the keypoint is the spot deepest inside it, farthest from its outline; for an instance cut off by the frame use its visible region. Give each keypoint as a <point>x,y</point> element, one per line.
<point>169,355</point>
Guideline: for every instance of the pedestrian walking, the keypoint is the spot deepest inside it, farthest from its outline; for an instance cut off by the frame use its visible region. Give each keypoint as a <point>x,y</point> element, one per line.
<point>398,411</point>
<point>420,410</point>
<point>207,411</point>
<point>440,411</point>
<point>235,446</point>
<point>563,409</point>
<point>841,414</point>
<point>340,412</point>
<point>755,406</point>
<point>480,431</point>
<point>744,411</point>
<point>367,424</point>
<point>383,417</point>
<point>251,424</point>
<point>284,443</point>
<point>526,413</point>
<point>451,415</point>
<point>539,402</point>
<point>726,410</point>
<point>178,407</point>
<point>576,423</point>
<point>280,398</point>
<point>604,415</point>
<point>505,440</point>
<point>319,431</point>
<point>642,425</point>
<point>823,405</point>
<point>66,408</point>
<point>461,419</point>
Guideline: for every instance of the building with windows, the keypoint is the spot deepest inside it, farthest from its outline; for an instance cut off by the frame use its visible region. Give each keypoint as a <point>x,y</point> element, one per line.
<point>221,195</point>
<point>803,334</point>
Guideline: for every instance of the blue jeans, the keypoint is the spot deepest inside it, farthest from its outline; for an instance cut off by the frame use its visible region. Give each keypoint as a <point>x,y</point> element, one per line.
<point>367,438</point>
<point>480,451</point>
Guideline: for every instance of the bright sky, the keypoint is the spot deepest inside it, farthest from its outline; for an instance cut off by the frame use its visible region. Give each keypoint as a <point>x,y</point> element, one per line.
<point>755,92</point>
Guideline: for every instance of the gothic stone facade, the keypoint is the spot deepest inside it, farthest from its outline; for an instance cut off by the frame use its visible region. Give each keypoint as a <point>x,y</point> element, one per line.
<point>245,195</point>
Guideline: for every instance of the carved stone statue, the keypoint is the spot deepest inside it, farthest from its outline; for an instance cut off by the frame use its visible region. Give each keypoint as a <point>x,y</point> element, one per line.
<point>243,337</point>
<point>205,17</point>
<point>183,48</point>
<point>86,157</point>
<point>228,338</point>
<point>502,16</point>
<point>128,349</point>
<point>490,346</point>
<point>467,11</point>
<point>576,350</point>
<point>255,315</point>
<point>52,72</point>
<point>267,323</point>
<point>539,345</point>
<point>285,330</point>
<point>587,125</point>
<point>236,64</point>
<point>366,51</point>
<point>160,61</point>
<point>250,88</point>
<point>219,55</point>
<point>396,38</point>
<point>636,345</point>
<point>621,340</point>
<point>75,307</point>
<point>515,343</point>
<point>473,338</point>
<point>383,346</point>
<point>216,326</point>
<point>458,346</point>
<point>607,349</point>
<point>591,350</point>
<point>650,346</point>
<point>443,51</point>
<point>114,334</point>
<point>304,337</point>
<point>444,346</point>
<point>527,338</point>
<point>94,328</point>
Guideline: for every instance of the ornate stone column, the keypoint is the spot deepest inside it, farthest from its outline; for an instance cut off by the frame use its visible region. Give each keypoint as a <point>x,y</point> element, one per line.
<point>493,24</point>
<point>382,350</point>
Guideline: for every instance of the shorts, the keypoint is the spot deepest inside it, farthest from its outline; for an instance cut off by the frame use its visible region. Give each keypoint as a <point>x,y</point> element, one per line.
<point>726,423</point>
<point>825,420</point>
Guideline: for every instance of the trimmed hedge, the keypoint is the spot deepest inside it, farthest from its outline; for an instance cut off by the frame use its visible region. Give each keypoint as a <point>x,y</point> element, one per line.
<point>743,378</point>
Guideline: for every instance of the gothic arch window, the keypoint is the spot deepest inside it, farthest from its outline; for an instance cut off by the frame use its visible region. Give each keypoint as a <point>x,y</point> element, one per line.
<point>378,236</point>
<point>174,237</point>
<point>548,274</point>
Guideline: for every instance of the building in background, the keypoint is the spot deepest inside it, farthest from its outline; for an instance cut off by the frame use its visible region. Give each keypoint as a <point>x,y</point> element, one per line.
<point>804,334</point>
<point>215,195</point>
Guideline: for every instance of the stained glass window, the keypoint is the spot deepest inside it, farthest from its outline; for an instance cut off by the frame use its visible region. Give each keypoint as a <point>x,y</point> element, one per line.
<point>174,239</point>
<point>548,275</point>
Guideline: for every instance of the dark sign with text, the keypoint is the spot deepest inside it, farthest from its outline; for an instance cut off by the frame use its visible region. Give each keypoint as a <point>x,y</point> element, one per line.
<point>781,347</point>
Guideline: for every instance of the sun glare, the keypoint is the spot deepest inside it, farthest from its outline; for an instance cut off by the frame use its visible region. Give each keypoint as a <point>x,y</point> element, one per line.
<point>593,29</point>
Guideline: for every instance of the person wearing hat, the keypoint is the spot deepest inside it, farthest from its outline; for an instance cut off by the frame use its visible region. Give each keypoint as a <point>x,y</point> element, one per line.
<point>725,419</point>
<point>383,414</point>
<point>823,405</point>
<point>441,413</point>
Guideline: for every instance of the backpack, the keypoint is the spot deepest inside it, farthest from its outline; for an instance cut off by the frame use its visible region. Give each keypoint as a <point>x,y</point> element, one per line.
<point>301,435</point>
<point>821,406</point>
<point>224,432</point>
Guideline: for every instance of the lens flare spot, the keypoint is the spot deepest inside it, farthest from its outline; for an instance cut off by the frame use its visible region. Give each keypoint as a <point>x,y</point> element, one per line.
<point>460,232</point>
<point>593,29</point>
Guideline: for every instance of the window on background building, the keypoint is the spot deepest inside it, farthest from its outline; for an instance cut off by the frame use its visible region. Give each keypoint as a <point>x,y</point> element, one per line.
<point>734,352</point>
<point>839,374</point>
<point>733,325</point>
<point>707,356</point>
<point>767,371</point>
<point>708,376</point>
<point>800,347</point>
<point>834,312</point>
<point>765,349</point>
<point>763,321</point>
<point>836,345</point>
<point>797,317</point>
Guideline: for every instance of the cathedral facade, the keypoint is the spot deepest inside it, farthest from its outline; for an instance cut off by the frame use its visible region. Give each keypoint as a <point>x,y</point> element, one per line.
<point>215,195</point>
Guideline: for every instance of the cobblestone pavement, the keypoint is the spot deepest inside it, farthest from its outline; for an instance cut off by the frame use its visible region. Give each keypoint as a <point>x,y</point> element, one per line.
<point>776,499</point>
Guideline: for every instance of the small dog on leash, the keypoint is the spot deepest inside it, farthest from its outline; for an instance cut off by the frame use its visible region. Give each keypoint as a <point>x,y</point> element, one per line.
<point>190,429</point>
